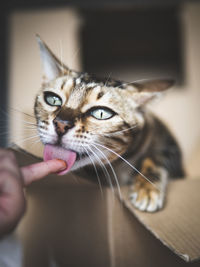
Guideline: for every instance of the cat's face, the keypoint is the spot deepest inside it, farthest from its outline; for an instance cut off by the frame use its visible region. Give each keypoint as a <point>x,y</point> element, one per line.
<point>86,116</point>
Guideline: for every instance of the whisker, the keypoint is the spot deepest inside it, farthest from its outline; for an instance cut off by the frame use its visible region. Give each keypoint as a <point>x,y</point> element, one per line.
<point>33,143</point>
<point>22,112</point>
<point>115,132</point>
<point>98,178</point>
<point>44,133</point>
<point>9,132</point>
<point>61,55</point>
<point>135,81</point>
<point>128,163</point>
<point>36,142</point>
<point>118,132</point>
<point>108,79</point>
<point>104,169</point>
<point>29,123</point>
<point>111,167</point>
<point>29,128</point>
<point>16,118</point>
<point>26,139</point>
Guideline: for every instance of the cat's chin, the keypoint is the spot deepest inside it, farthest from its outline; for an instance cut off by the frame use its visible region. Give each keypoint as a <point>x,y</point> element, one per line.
<point>57,152</point>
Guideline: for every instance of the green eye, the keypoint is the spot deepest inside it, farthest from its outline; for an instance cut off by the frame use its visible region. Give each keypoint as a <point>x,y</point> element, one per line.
<point>102,113</point>
<point>52,99</point>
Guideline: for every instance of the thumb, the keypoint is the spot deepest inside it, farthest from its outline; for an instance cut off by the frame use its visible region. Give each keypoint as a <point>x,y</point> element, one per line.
<point>39,170</point>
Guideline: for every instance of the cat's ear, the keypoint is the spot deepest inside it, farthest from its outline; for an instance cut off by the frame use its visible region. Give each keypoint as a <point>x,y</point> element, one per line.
<point>52,66</point>
<point>149,89</point>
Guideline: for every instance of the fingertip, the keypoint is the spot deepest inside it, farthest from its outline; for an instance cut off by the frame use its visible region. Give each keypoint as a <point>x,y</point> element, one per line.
<point>62,163</point>
<point>56,165</point>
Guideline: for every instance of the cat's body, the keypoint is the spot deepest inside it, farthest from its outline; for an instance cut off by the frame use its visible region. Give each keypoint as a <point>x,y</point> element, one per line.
<point>154,142</point>
<point>104,123</point>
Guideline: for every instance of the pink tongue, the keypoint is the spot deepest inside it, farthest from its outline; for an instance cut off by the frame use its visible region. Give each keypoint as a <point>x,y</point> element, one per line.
<point>56,152</point>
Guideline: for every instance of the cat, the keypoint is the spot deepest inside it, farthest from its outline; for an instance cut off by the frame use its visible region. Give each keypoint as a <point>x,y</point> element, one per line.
<point>89,121</point>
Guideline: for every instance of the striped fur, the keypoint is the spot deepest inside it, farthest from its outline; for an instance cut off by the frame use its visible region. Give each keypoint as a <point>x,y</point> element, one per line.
<point>132,132</point>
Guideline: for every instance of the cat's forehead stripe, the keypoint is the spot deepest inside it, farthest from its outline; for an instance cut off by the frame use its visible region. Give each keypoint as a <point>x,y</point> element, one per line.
<point>63,85</point>
<point>100,94</point>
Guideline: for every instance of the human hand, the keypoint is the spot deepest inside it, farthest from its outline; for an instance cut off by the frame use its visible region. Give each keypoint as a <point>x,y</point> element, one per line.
<point>12,181</point>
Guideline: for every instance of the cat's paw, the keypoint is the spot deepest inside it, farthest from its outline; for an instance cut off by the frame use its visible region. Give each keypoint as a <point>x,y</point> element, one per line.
<point>146,197</point>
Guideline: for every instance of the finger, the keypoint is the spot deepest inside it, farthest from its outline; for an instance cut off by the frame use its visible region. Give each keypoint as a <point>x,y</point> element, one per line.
<point>12,201</point>
<point>39,170</point>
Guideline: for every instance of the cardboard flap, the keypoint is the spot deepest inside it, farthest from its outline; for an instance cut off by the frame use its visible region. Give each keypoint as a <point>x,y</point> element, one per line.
<point>178,225</point>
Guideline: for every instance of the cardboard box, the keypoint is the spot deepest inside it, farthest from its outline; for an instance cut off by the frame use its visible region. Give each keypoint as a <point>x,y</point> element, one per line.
<point>69,222</point>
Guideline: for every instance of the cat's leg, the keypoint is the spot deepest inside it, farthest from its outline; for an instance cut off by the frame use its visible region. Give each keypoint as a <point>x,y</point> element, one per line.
<point>145,195</point>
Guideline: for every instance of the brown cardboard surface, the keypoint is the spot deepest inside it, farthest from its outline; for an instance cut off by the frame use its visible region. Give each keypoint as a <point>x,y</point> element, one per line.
<point>66,224</point>
<point>135,246</point>
<point>178,224</point>
<point>68,219</point>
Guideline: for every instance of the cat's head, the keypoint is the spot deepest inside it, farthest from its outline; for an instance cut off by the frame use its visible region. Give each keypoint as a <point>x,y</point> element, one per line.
<point>82,119</point>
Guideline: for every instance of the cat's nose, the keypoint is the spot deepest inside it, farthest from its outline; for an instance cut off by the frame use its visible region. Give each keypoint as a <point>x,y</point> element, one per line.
<point>62,126</point>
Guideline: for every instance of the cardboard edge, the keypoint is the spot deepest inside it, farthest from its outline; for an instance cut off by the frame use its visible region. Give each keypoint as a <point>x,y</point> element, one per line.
<point>185,257</point>
<point>14,147</point>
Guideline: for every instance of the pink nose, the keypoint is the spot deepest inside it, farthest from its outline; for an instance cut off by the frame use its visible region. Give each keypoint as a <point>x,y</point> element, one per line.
<point>62,126</point>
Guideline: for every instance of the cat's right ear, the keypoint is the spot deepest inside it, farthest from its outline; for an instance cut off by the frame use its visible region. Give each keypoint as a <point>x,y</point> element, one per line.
<point>52,66</point>
<point>146,90</point>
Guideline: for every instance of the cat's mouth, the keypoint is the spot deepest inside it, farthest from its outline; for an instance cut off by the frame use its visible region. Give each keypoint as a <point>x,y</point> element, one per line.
<point>57,152</point>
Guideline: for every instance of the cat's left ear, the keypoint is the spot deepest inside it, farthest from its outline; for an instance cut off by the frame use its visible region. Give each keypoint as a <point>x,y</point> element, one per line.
<point>149,89</point>
<point>52,66</point>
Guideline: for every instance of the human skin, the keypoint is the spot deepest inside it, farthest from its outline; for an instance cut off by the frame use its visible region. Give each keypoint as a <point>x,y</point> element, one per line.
<point>13,179</point>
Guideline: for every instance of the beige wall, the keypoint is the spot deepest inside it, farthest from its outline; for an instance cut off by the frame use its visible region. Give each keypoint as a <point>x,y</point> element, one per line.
<point>59,28</point>
<point>180,108</point>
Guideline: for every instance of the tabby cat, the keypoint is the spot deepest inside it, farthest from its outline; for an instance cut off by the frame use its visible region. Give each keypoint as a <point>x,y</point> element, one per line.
<point>103,125</point>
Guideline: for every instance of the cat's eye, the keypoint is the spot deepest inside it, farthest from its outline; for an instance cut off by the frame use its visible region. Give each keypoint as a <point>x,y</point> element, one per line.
<point>52,99</point>
<point>102,113</point>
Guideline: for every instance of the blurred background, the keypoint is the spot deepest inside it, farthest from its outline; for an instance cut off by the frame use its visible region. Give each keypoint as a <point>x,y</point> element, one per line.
<point>128,40</point>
